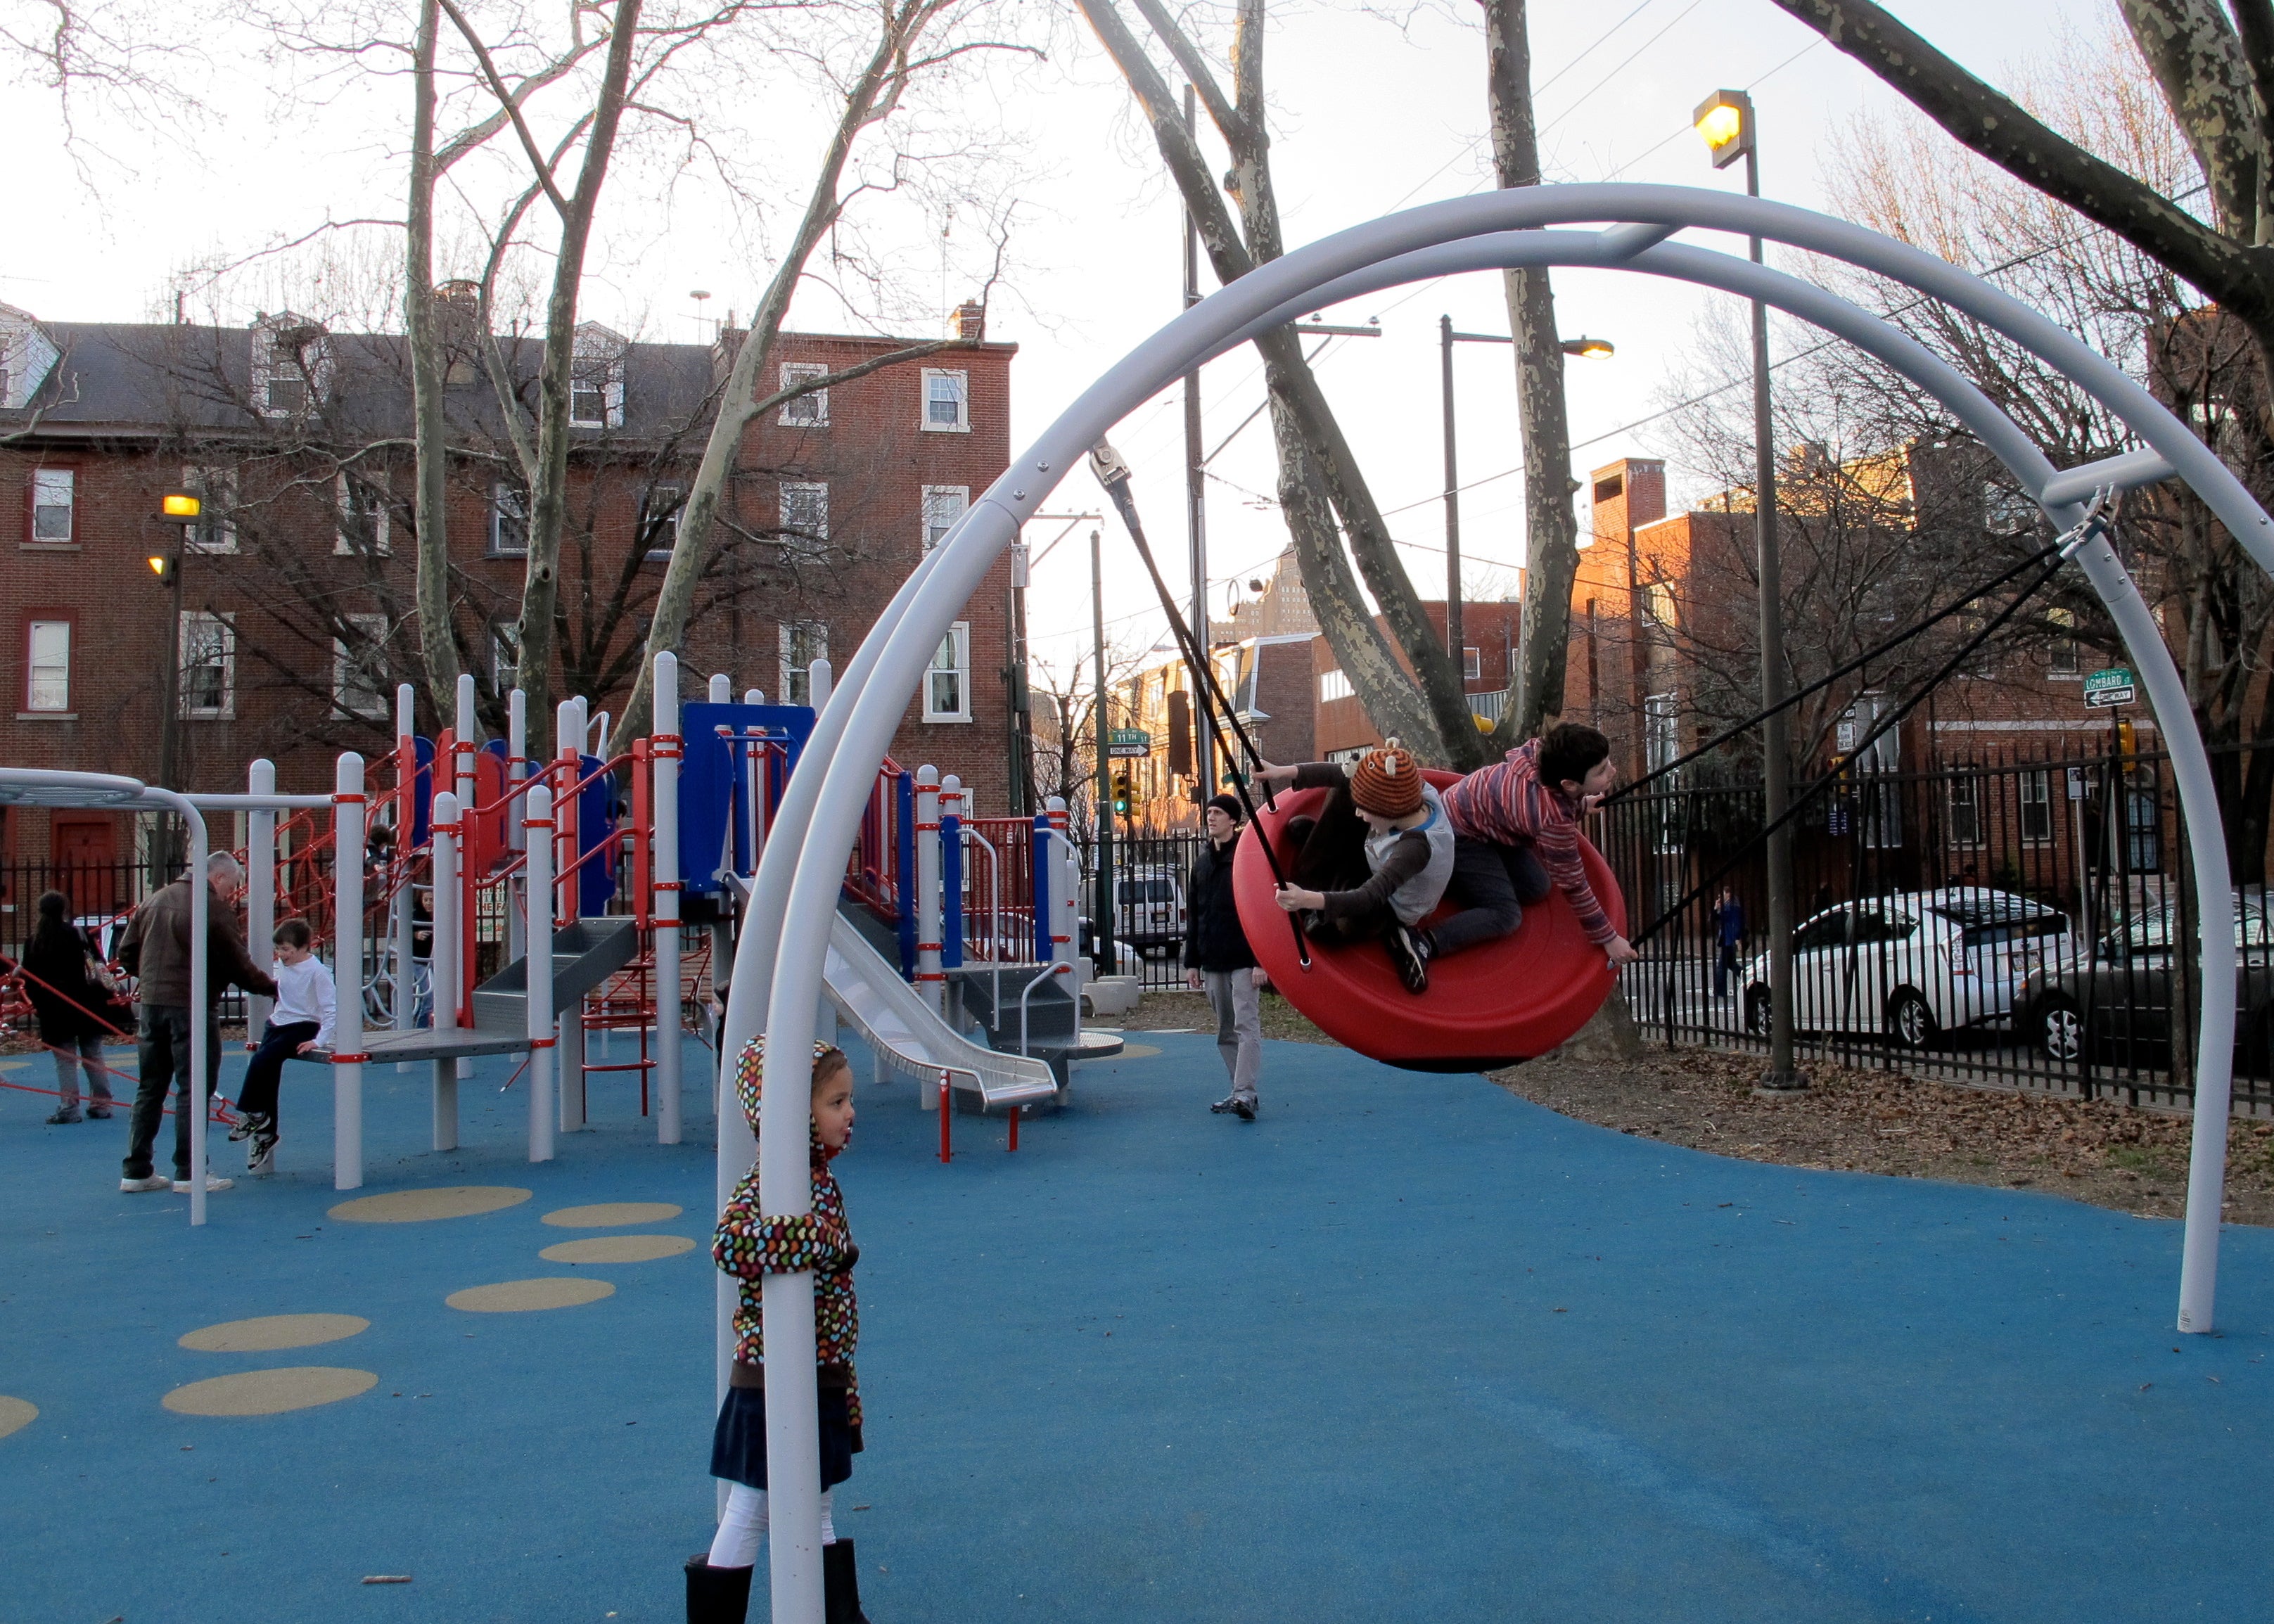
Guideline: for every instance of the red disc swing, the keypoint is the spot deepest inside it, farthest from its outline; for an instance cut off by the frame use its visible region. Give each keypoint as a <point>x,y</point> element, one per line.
<point>1492,1006</point>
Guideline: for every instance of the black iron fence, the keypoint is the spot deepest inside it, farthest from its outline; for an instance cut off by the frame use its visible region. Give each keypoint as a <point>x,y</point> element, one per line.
<point>2024,920</point>
<point>1150,873</point>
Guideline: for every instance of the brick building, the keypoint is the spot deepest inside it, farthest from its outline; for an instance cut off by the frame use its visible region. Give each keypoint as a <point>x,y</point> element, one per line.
<point>296,587</point>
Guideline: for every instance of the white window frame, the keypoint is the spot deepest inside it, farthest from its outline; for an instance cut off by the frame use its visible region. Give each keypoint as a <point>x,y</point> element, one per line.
<point>596,367</point>
<point>814,540</point>
<point>1964,800</point>
<point>57,664</point>
<point>310,367</point>
<point>796,685</point>
<point>346,668</point>
<point>941,507</point>
<point>345,542</point>
<point>509,503</point>
<point>667,499</point>
<point>50,482</point>
<point>214,533</point>
<point>223,628</point>
<point>956,646</point>
<point>962,423</point>
<point>1334,684</point>
<point>807,411</point>
<point>2035,791</point>
<point>2063,658</point>
<point>1472,663</point>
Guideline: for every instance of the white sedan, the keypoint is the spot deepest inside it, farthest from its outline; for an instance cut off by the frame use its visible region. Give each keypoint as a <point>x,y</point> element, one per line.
<point>1912,964</point>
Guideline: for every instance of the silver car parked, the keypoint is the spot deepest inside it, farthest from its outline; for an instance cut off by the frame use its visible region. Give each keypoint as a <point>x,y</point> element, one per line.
<point>1912,964</point>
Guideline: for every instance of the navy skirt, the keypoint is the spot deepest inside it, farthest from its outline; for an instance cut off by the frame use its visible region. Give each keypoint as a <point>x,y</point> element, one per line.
<point>738,1443</point>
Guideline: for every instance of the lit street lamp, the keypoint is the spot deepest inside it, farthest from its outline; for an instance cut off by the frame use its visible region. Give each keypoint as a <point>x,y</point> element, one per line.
<point>1587,349</point>
<point>1725,120</point>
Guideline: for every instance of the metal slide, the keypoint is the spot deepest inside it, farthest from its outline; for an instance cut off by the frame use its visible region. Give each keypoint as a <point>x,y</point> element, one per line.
<point>896,1021</point>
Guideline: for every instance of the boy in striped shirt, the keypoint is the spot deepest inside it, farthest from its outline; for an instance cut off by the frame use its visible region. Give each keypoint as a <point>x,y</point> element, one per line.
<point>1518,823</point>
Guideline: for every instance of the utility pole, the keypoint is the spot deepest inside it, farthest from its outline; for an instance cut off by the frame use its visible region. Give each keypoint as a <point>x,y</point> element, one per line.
<point>1452,501</point>
<point>1102,914</point>
<point>1195,488</point>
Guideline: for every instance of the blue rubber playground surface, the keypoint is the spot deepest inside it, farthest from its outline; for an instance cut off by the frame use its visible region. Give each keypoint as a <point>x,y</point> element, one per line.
<point>1407,1349</point>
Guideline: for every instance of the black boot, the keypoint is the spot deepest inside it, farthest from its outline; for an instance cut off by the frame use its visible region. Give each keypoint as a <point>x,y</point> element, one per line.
<point>841,1585</point>
<point>716,1595</point>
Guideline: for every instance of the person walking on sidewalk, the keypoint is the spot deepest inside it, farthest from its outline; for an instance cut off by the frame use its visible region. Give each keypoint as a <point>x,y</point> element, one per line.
<point>1218,960</point>
<point>59,979</point>
<point>156,951</point>
<point>1728,936</point>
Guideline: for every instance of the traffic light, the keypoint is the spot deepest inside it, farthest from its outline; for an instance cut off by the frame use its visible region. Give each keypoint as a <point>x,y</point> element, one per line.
<point>2126,746</point>
<point>1121,794</point>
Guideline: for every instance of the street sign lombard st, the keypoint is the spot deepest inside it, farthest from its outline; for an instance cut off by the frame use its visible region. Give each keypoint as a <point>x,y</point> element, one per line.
<point>1127,742</point>
<point>2116,686</point>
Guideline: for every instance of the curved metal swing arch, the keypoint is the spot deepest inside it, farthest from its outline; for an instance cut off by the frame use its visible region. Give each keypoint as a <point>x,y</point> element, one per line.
<point>786,935</point>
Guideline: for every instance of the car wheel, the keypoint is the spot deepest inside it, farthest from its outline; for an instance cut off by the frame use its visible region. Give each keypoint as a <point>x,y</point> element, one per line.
<point>1756,1010</point>
<point>1910,1021</point>
<point>2060,1031</point>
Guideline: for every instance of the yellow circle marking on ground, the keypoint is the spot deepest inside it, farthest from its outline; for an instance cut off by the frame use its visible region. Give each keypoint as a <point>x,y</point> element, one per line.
<point>618,1249</point>
<point>270,1392</point>
<point>16,1414</point>
<point>1139,1051</point>
<point>272,1332</point>
<point>520,1296</point>
<point>608,1214</point>
<point>425,1205</point>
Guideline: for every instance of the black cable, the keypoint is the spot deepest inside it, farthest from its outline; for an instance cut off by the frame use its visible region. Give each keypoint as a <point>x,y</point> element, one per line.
<point>1800,802</point>
<point>1114,476</point>
<point>1821,683</point>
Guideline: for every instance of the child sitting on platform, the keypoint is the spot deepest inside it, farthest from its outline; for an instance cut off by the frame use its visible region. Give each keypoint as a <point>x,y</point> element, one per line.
<point>750,1247</point>
<point>1376,860</point>
<point>300,1024</point>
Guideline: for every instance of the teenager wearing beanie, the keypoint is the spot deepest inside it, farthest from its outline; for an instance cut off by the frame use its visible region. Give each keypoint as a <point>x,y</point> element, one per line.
<point>1376,860</point>
<point>1218,960</point>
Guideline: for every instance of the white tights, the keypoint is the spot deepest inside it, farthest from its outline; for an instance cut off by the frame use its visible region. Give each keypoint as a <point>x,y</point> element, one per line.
<point>744,1525</point>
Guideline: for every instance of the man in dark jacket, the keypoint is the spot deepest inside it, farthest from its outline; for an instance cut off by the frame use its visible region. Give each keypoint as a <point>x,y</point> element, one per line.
<point>156,952</point>
<point>1217,957</point>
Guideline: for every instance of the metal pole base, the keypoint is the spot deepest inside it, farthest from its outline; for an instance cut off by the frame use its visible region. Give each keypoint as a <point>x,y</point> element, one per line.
<point>1780,1084</point>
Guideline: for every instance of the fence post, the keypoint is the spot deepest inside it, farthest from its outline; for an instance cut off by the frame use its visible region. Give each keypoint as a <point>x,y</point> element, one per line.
<point>929,977</point>
<point>537,822</point>
<point>663,752</point>
<point>404,1006</point>
<point>443,969</point>
<point>347,956</point>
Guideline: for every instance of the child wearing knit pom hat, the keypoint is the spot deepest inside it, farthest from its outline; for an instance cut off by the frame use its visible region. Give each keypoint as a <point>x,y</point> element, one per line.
<point>1377,860</point>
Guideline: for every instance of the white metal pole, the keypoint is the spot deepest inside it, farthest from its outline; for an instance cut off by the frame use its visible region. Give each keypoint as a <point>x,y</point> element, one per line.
<point>722,689</point>
<point>753,754</point>
<point>516,838</point>
<point>443,968</point>
<point>538,822</point>
<point>568,740</point>
<point>259,884</point>
<point>347,958</point>
<point>664,751</point>
<point>821,682</point>
<point>1065,903</point>
<point>402,1006</point>
<point>465,723</point>
<point>201,1010</point>
<point>930,980</point>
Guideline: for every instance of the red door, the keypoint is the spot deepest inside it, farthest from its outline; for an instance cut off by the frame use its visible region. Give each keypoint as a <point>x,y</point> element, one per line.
<point>86,862</point>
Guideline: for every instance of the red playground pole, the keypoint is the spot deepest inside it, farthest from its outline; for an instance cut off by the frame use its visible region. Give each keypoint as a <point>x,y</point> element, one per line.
<point>1016,1112</point>
<point>945,1154</point>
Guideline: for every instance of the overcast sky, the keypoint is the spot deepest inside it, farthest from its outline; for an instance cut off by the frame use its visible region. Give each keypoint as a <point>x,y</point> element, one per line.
<point>1368,116</point>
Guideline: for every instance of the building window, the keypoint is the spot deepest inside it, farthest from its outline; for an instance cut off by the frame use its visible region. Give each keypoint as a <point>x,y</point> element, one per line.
<point>947,683</point>
<point>2036,807</point>
<point>215,530</point>
<point>1334,684</point>
<point>54,492</point>
<point>2061,657</point>
<point>946,401</point>
<point>363,518</point>
<point>208,653</point>
<point>26,357</point>
<point>596,378</point>
<point>1472,663</point>
<point>1662,723</point>
<point>802,642</point>
<point>47,667</point>
<point>1966,811</point>
<point>359,686</point>
<point>509,520</point>
<point>659,511</point>
<point>806,411</point>
<point>291,366</point>
<point>942,506</point>
<point>805,516</point>
<point>1657,605</point>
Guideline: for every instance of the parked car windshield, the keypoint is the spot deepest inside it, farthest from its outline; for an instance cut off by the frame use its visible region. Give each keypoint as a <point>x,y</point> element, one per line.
<point>1990,919</point>
<point>1149,890</point>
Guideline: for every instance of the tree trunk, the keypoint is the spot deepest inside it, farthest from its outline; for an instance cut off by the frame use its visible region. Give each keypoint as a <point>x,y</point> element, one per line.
<point>438,641</point>
<point>548,507</point>
<point>1551,526</point>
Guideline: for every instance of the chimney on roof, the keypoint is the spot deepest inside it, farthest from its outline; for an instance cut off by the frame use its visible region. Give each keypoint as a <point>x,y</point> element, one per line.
<point>725,345</point>
<point>971,322</point>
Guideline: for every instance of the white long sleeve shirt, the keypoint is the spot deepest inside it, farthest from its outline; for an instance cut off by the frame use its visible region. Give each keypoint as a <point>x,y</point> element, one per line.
<point>305,992</point>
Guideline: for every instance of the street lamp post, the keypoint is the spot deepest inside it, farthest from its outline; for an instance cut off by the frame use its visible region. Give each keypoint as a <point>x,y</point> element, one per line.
<point>1725,119</point>
<point>1590,348</point>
